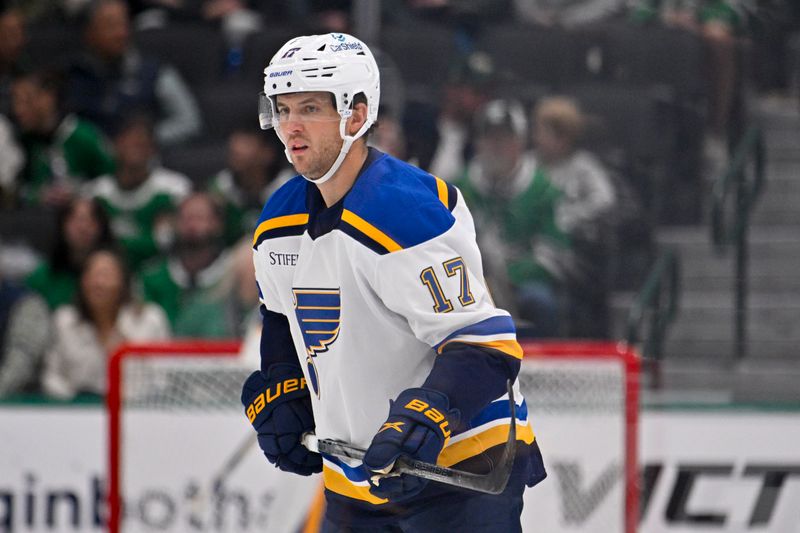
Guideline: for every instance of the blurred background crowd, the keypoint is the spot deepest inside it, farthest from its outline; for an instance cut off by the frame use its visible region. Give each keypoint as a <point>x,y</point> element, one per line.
<point>132,169</point>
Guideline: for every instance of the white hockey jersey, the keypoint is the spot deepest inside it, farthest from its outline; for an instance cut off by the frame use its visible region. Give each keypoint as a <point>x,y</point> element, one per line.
<point>373,301</point>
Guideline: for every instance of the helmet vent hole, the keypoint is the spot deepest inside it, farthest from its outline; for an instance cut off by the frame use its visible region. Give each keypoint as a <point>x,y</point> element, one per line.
<point>288,84</point>
<point>321,48</point>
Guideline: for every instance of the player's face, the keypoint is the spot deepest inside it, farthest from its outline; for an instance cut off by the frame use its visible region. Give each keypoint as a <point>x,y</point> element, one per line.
<point>308,126</point>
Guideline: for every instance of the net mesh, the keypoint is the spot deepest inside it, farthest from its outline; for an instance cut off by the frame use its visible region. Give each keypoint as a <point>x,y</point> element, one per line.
<point>183,382</point>
<point>577,385</point>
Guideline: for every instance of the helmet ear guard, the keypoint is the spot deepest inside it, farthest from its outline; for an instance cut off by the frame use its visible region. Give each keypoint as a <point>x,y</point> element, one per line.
<point>266,115</point>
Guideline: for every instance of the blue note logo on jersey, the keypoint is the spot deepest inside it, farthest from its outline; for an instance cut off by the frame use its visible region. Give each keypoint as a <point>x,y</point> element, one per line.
<point>318,313</point>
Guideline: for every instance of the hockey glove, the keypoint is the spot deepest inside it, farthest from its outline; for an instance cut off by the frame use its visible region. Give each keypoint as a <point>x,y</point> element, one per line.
<point>279,407</point>
<point>418,426</point>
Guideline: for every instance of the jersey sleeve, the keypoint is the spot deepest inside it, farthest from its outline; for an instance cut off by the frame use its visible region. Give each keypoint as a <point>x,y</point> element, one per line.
<point>276,340</point>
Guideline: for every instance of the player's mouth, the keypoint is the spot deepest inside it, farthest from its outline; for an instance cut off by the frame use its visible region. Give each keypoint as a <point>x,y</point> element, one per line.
<point>298,148</point>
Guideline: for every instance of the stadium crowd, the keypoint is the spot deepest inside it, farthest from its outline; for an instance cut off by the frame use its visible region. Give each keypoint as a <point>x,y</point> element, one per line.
<point>129,141</point>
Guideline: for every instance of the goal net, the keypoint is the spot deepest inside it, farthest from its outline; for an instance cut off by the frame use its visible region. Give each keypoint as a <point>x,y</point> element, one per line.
<point>182,456</point>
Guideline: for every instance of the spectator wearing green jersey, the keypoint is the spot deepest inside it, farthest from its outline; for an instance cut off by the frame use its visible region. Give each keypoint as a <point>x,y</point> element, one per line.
<point>514,209</point>
<point>82,226</point>
<point>62,151</point>
<point>538,215</point>
<point>252,174</point>
<point>196,283</point>
<point>141,196</point>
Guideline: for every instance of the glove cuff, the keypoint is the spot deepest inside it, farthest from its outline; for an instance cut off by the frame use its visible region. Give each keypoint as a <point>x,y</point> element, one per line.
<point>282,370</point>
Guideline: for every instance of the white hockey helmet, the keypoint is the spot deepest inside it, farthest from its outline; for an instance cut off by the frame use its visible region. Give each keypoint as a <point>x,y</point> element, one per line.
<point>336,63</point>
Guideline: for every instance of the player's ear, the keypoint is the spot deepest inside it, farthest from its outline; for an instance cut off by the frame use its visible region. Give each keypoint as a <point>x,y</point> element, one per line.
<point>358,118</point>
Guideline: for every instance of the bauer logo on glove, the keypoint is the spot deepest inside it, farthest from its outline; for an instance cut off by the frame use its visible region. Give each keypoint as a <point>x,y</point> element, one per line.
<point>418,427</point>
<point>273,393</point>
<point>431,412</point>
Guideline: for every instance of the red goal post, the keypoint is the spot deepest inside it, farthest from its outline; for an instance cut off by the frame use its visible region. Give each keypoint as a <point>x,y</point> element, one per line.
<point>572,389</point>
<point>624,362</point>
<point>114,402</point>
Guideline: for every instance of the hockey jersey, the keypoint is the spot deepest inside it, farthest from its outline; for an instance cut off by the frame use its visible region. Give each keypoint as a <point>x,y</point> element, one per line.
<point>372,301</point>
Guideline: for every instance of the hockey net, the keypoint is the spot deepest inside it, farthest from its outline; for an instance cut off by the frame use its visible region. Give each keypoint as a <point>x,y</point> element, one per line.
<point>182,455</point>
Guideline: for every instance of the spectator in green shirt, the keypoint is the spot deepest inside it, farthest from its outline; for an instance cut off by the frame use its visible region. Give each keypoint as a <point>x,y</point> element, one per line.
<point>252,175</point>
<point>141,196</point>
<point>61,149</point>
<point>196,284</point>
<point>81,228</point>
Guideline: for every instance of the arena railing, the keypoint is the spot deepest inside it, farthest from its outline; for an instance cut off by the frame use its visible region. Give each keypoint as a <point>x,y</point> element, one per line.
<point>734,195</point>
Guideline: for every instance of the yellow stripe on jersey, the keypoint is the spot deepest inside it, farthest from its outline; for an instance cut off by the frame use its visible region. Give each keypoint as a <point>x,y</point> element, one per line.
<point>472,446</point>
<point>508,347</point>
<point>370,231</point>
<point>280,222</point>
<point>444,194</point>
<point>338,483</point>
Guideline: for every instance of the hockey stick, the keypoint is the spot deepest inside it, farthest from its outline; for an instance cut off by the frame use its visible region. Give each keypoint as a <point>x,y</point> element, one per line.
<point>492,483</point>
<point>232,462</point>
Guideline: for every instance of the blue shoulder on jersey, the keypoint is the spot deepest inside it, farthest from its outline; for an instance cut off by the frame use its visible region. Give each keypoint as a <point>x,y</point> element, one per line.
<point>285,213</point>
<point>394,206</point>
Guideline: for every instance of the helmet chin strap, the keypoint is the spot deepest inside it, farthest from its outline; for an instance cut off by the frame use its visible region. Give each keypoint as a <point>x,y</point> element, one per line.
<point>347,142</point>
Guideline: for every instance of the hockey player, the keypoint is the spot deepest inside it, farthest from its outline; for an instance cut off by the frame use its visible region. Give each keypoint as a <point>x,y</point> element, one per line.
<point>378,329</point>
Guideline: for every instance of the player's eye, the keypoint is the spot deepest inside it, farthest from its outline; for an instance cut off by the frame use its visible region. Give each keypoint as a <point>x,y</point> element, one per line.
<point>311,109</point>
<point>283,113</point>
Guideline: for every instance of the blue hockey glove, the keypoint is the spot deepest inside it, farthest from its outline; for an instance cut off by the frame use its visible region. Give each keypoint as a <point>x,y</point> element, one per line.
<point>279,407</point>
<point>418,426</point>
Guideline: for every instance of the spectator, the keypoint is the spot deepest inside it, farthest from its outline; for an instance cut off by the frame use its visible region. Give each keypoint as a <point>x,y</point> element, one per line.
<point>87,333</point>
<point>194,284</point>
<point>514,210</point>
<point>584,203</point>
<point>112,79</point>
<point>538,214</point>
<point>12,160</point>
<point>24,337</point>
<point>62,150</point>
<point>81,228</point>
<point>469,87</point>
<point>12,44</point>
<point>389,138</point>
<point>252,175</point>
<point>718,22</point>
<point>141,196</point>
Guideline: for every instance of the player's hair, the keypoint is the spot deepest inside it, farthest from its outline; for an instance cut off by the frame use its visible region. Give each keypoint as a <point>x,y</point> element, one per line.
<point>359,98</point>
<point>561,115</point>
